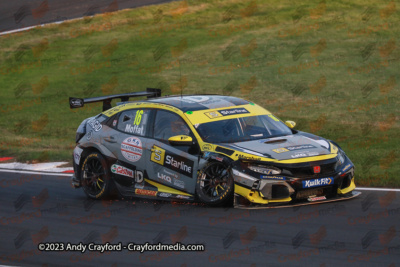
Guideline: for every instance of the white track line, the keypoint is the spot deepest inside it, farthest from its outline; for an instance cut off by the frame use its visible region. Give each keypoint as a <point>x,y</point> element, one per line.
<point>37,172</point>
<point>377,189</point>
<point>40,25</point>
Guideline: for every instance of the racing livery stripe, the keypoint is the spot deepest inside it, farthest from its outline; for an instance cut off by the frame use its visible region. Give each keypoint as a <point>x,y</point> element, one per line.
<point>166,189</point>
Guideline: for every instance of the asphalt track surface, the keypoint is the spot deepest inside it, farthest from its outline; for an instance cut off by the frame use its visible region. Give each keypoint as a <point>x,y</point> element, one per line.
<point>22,13</point>
<point>38,208</point>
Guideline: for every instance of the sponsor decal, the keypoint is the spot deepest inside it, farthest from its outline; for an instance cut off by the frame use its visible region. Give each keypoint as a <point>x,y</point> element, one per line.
<point>311,199</point>
<point>145,192</point>
<point>207,147</point>
<point>77,155</point>
<point>304,154</point>
<point>213,114</point>
<point>179,164</point>
<point>114,123</point>
<point>182,197</point>
<point>317,182</point>
<point>234,111</point>
<point>121,170</point>
<point>248,157</point>
<point>300,147</point>
<point>89,136</point>
<point>280,150</point>
<point>164,177</point>
<point>179,183</point>
<point>174,175</point>
<point>95,124</point>
<point>292,148</point>
<point>164,194</point>
<point>219,159</point>
<point>346,167</point>
<point>131,149</point>
<point>273,177</point>
<point>77,103</point>
<point>172,161</point>
<point>157,155</point>
<point>135,129</point>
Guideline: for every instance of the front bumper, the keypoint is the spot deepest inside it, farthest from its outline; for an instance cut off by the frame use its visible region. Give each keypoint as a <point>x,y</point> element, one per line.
<point>240,203</point>
<point>253,189</point>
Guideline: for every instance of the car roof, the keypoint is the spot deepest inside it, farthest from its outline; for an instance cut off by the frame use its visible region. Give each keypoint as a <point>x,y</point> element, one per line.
<point>199,102</point>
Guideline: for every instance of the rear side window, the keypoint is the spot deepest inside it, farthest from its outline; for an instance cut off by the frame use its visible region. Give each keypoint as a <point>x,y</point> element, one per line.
<point>134,121</point>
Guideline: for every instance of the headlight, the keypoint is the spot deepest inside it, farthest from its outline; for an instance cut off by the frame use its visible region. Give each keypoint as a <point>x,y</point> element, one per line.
<point>341,157</point>
<point>264,169</point>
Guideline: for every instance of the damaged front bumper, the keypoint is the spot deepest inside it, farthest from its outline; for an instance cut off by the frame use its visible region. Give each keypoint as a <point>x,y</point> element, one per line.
<point>253,192</point>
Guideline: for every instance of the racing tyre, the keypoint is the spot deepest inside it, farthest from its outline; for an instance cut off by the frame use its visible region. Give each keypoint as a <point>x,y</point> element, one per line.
<point>215,185</point>
<point>95,177</point>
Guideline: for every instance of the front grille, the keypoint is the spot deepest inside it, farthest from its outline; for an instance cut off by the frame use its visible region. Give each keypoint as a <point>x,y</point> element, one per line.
<point>306,170</point>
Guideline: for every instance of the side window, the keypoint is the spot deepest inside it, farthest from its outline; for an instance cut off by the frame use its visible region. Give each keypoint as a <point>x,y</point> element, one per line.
<point>134,121</point>
<point>168,124</point>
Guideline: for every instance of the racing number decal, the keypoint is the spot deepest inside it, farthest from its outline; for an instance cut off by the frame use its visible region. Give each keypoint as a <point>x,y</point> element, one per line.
<point>138,117</point>
<point>157,155</point>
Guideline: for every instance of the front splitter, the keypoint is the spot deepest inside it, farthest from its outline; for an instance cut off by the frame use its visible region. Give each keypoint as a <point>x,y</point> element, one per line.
<point>237,204</point>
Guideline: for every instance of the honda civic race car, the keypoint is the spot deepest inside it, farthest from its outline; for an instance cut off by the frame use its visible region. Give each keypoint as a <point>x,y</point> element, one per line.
<point>208,148</point>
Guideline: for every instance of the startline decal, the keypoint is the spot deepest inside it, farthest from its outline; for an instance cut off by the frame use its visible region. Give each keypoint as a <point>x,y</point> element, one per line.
<point>172,161</point>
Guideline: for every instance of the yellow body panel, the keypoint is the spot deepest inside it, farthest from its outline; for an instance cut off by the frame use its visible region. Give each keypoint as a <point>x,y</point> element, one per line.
<point>347,189</point>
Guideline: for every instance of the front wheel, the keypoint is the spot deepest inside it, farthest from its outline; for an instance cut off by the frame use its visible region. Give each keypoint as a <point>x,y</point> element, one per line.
<point>95,177</point>
<point>215,185</point>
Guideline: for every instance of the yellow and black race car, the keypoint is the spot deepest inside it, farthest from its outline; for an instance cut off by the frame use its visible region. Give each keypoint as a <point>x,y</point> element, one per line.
<point>209,148</point>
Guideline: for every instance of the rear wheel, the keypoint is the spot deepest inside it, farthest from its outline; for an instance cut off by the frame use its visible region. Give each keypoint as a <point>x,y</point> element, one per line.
<point>95,177</point>
<point>215,184</point>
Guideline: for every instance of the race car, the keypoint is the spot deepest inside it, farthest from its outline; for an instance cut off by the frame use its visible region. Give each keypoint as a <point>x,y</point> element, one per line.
<point>213,149</point>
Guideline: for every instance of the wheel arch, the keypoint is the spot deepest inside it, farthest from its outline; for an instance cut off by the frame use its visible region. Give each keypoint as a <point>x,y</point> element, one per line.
<point>86,151</point>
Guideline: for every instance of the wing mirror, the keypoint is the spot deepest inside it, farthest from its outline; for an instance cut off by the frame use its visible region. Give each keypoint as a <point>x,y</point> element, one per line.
<point>290,124</point>
<point>180,140</point>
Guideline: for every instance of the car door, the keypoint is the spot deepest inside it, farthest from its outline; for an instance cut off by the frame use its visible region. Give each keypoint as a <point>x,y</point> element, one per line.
<point>173,166</point>
<point>128,142</point>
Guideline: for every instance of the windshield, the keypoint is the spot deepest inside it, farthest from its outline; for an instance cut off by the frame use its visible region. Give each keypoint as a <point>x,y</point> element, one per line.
<point>242,129</point>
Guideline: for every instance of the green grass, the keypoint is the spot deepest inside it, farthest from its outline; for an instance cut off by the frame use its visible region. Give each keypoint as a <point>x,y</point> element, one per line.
<point>332,68</point>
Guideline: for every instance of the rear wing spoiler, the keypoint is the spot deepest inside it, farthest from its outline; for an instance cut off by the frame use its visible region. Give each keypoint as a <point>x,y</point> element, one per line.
<point>80,102</point>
